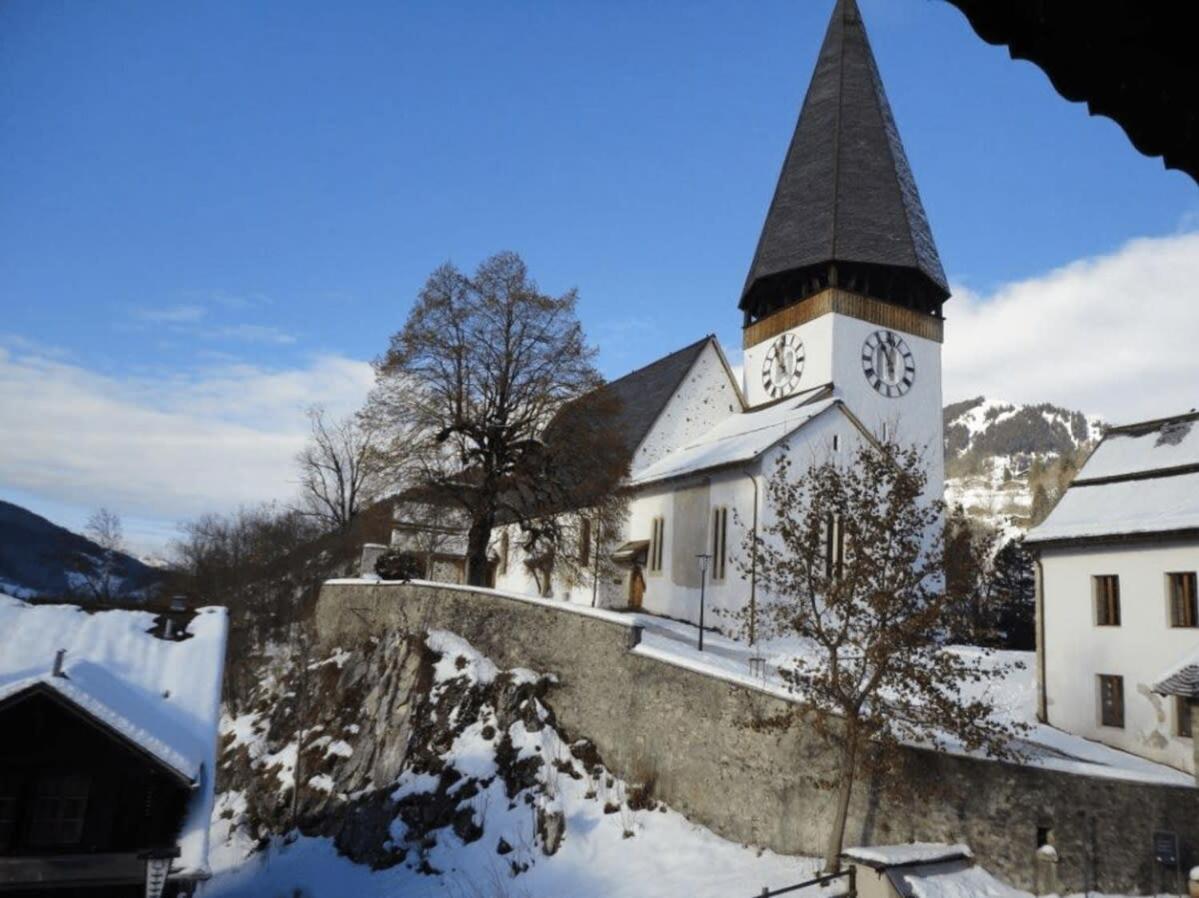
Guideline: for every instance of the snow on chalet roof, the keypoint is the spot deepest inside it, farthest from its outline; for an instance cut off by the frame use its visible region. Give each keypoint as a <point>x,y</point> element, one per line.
<point>738,438</point>
<point>1142,478</point>
<point>162,695</point>
<point>880,856</point>
<point>1181,679</point>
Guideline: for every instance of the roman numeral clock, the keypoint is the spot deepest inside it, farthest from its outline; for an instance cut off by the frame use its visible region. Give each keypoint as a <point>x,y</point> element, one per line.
<point>888,364</point>
<point>783,366</point>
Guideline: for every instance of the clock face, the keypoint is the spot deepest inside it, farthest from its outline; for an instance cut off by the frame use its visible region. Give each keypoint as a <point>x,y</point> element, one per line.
<point>888,364</point>
<point>783,366</point>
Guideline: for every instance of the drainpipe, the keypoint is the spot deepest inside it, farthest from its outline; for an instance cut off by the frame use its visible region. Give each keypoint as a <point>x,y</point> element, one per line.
<point>1042,692</point>
<point>753,565</point>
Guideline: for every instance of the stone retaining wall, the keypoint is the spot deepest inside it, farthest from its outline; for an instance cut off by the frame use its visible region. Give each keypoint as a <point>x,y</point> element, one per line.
<point>685,729</point>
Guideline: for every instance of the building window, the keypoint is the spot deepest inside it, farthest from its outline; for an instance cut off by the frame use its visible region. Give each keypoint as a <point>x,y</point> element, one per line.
<point>9,790</point>
<point>59,805</point>
<point>834,546</point>
<point>1183,609</point>
<point>505,548</point>
<point>655,544</point>
<point>1182,716</point>
<point>585,541</point>
<point>720,531</point>
<point>836,442</point>
<point>1107,600</point>
<point>1111,700</point>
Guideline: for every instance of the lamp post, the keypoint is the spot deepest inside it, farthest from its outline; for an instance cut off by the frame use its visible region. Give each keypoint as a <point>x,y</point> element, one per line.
<point>703,571</point>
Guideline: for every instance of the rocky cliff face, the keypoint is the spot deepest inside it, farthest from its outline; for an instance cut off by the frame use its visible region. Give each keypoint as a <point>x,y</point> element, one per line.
<point>393,746</point>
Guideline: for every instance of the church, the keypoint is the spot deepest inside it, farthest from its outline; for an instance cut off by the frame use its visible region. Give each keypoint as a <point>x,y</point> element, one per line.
<point>842,328</point>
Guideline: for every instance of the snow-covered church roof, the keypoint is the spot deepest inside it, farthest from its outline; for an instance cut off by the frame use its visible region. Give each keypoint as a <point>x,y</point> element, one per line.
<point>1141,479</point>
<point>738,438</point>
<point>161,695</point>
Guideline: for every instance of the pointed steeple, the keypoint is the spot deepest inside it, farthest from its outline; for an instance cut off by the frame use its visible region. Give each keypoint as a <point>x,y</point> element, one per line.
<point>846,211</point>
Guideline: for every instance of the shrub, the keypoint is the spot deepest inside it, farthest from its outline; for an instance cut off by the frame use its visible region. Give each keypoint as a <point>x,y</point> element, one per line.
<point>392,565</point>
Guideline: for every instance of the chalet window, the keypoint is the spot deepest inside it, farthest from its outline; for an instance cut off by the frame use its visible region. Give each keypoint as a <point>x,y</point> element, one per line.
<point>1107,600</point>
<point>1183,609</point>
<point>1111,700</point>
<point>836,442</point>
<point>505,548</point>
<point>720,531</point>
<point>59,805</point>
<point>834,546</point>
<point>1182,717</point>
<point>655,544</point>
<point>9,792</point>
<point>585,541</point>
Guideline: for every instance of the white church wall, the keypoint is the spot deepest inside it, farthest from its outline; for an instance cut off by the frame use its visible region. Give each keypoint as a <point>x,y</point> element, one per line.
<point>1144,645</point>
<point>817,336</point>
<point>833,352</point>
<point>674,590</point>
<point>916,417</point>
<point>706,396</point>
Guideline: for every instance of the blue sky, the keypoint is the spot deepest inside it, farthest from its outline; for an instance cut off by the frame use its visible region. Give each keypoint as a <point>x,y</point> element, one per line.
<point>193,191</point>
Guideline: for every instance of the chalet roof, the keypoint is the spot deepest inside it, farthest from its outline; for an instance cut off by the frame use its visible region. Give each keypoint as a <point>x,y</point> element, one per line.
<point>846,192</point>
<point>1181,679</point>
<point>1141,479</point>
<point>1132,62</point>
<point>644,393</point>
<point>161,695</point>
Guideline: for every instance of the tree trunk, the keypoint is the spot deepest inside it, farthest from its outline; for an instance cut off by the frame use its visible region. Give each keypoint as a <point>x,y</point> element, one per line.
<point>478,538</point>
<point>836,836</point>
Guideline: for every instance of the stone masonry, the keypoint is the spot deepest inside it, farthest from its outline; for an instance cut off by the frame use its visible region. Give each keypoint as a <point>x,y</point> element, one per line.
<point>686,730</point>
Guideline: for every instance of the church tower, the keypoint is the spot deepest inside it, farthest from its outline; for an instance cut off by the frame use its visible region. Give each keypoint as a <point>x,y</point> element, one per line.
<point>846,286</point>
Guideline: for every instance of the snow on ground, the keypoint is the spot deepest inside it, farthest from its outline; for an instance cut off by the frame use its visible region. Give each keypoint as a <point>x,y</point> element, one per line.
<point>1014,696</point>
<point>609,850</point>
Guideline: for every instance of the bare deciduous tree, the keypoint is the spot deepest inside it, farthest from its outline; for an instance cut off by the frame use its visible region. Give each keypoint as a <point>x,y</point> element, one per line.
<point>469,390</point>
<point>100,573</point>
<point>341,469</point>
<point>852,567</point>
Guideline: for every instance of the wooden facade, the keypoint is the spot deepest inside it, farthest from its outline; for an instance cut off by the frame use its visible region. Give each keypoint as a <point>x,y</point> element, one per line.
<point>853,305</point>
<point>80,805</point>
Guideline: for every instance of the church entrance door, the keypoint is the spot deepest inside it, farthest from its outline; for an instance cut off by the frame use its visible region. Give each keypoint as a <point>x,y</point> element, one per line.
<point>636,589</point>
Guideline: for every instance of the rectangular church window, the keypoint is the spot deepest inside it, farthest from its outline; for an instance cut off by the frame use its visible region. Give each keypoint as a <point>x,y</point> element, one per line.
<point>655,544</point>
<point>834,546</point>
<point>585,541</point>
<point>1107,600</point>
<point>1184,611</point>
<point>1111,700</point>
<point>720,527</point>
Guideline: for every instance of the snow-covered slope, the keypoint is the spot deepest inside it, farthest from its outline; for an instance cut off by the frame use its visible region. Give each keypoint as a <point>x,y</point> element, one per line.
<point>36,557</point>
<point>1006,463</point>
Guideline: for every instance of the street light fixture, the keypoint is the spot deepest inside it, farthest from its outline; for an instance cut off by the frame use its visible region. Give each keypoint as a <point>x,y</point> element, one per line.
<point>703,571</point>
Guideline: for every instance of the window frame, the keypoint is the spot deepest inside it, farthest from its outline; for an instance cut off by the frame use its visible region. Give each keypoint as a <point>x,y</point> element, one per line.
<point>1105,598</point>
<point>73,787</point>
<point>657,538</point>
<point>720,532</point>
<point>584,552</point>
<point>1176,597</point>
<point>1116,681</point>
<point>1183,714</point>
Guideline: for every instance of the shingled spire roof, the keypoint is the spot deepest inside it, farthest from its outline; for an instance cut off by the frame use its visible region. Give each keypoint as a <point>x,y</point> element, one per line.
<point>845,194</point>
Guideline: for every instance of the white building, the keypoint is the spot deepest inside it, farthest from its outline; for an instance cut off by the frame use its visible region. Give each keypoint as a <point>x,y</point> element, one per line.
<point>1118,623</point>
<point>842,331</point>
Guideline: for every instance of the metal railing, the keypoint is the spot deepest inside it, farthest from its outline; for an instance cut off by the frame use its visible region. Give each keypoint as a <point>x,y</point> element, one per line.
<point>818,881</point>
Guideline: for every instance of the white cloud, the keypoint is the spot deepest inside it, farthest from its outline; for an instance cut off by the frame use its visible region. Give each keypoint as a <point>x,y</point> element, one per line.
<point>179,314</point>
<point>161,448</point>
<point>1113,335</point>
